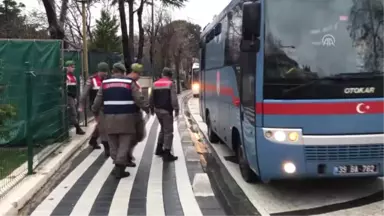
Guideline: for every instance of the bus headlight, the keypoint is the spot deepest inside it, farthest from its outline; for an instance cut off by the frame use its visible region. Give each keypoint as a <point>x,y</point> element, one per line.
<point>195,86</point>
<point>283,135</point>
<point>289,167</point>
<point>293,136</point>
<point>279,136</point>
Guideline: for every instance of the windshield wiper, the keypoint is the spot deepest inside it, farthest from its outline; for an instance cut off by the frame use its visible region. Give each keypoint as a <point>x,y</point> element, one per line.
<point>341,76</point>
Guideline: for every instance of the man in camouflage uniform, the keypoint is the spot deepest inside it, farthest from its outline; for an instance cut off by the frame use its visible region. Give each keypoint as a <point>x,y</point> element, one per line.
<point>72,94</point>
<point>121,99</point>
<point>90,90</point>
<point>136,70</point>
<point>163,101</point>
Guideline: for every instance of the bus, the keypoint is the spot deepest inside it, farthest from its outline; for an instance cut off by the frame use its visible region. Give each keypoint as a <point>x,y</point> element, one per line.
<point>195,79</point>
<point>296,95</point>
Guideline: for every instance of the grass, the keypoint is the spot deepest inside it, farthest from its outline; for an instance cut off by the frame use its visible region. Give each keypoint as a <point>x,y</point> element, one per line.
<point>10,159</point>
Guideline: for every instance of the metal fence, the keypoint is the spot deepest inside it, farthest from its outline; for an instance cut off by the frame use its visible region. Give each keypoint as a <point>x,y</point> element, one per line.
<point>39,125</point>
<point>33,103</point>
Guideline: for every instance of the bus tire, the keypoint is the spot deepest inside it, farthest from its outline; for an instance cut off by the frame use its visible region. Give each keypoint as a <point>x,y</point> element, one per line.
<point>245,170</point>
<point>212,136</point>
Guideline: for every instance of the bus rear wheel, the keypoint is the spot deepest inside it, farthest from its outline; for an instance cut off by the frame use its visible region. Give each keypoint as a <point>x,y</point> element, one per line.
<point>245,170</point>
<point>212,136</point>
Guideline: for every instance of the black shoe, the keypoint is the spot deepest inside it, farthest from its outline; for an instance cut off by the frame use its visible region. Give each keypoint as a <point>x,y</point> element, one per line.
<point>93,143</point>
<point>107,153</point>
<point>79,131</point>
<point>131,164</point>
<point>168,156</point>
<point>120,172</point>
<point>159,150</point>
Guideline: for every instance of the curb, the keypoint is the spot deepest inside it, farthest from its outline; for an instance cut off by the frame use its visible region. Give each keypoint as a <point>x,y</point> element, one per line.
<point>226,190</point>
<point>30,185</point>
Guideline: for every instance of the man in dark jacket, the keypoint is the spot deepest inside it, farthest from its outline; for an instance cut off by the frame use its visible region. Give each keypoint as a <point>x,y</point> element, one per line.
<point>163,101</point>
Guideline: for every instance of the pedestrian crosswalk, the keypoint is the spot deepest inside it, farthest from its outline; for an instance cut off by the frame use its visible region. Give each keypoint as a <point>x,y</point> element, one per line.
<point>154,188</point>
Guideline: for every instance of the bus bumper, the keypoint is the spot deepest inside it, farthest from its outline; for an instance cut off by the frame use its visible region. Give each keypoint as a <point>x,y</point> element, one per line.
<point>314,161</point>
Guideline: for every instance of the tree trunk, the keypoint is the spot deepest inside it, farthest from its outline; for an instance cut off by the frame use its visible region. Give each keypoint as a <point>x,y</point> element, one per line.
<point>124,35</point>
<point>177,67</point>
<point>141,31</point>
<point>56,30</point>
<point>131,28</point>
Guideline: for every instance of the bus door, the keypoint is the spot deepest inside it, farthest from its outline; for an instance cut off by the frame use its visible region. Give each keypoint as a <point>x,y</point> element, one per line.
<point>247,101</point>
<point>248,59</point>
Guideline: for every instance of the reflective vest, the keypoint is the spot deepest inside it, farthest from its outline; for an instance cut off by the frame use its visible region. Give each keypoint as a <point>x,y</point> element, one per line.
<point>117,96</point>
<point>71,85</point>
<point>162,94</point>
<point>96,82</point>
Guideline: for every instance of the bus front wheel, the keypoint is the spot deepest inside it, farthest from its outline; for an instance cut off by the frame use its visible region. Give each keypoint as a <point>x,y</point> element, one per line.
<point>246,171</point>
<point>212,136</point>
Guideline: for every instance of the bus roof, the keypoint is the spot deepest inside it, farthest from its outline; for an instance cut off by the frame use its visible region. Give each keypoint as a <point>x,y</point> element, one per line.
<point>219,17</point>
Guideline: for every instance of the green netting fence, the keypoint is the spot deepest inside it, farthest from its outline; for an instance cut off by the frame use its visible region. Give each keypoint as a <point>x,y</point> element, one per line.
<point>33,103</point>
<point>33,85</point>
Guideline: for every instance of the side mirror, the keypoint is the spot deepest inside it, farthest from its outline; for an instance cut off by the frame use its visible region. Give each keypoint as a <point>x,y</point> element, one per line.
<point>251,20</point>
<point>251,27</point>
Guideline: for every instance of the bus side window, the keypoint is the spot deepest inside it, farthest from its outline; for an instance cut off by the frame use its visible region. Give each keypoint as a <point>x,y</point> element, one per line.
<point>233,38</point>
<point>202,55</point>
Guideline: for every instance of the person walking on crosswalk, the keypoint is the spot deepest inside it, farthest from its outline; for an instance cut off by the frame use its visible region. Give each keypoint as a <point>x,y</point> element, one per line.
<point>121,98</point>
<point>163,101</point>
<point>136,70</point>
<point>72,95</point>
<point>90,90</point>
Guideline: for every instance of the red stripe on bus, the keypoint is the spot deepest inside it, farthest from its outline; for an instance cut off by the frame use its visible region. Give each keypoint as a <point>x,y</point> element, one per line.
<point>370,107</point>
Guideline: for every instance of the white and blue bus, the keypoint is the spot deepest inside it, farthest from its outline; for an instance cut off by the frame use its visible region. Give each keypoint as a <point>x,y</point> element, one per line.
<point>295,87</point>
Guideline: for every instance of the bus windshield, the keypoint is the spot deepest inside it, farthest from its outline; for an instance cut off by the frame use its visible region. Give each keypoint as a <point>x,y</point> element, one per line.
<point>195,75</point>
<point>309,44</point>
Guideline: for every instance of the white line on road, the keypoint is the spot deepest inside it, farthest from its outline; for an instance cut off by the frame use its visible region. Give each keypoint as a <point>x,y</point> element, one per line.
<point>155,203</point>
<point>184,187</point>
<point>49,204</point>
<point>120,202</point>
<point>88,197</point>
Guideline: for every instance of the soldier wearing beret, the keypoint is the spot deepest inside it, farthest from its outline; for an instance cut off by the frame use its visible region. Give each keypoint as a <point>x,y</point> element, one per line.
<point>72,94</point>
<point>163,101</point>
<point>91,88</point>
<point>136,70</point>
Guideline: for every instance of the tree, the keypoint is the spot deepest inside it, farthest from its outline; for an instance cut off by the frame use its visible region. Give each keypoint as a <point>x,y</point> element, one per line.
<point>73,24</point>
<point>55,22</point>
<point>10,17</point>
<point>105,33</point>
<point>161,34</point>
<point>184,46</point>
<point>13,24</point>
<point>167,3</point>
<point>124,33</point>
<point>141,30</point>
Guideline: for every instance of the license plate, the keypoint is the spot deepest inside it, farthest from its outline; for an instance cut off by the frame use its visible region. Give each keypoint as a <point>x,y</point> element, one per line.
<point>354,169</point>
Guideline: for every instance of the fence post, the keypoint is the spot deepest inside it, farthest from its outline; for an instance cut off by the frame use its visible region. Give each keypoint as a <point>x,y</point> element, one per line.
<point>28,136</point>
